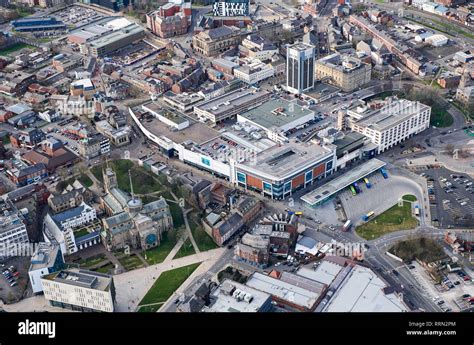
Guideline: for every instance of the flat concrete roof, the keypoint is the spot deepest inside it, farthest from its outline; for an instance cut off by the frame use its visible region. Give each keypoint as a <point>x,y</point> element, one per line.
<point>227,303</point>
<point>343,181</point>
<point>167,113</point>
<point>284,161</point>
<point>283,290</point>
<point>390,115</point>
<point>197,132</point>
<point>229,101</point>
<point>363,291</point>
<point>325,273</point>
<point>277,112</point>
<point>114,36</point>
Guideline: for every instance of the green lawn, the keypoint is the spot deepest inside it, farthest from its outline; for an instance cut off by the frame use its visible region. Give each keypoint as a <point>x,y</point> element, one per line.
<point>394,219</point>
<point>85,180</point>
<point>203,240</point>
<point>143,181</point>
<point>80,233</point>
<point>158,254</point>
<point>150,308</point>
<point>93,260</point>
<point>409,197</point>
<point>131,262</point>
<point>107,269</point>
<point>14,48</point>
<point>440,117</point>
<point>175,210</point>
<point>185,250</point>
<point>167,283</point>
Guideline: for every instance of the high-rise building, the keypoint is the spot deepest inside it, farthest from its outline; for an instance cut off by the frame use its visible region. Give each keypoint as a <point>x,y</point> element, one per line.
<point>300,67</point>
<point>231,8</point>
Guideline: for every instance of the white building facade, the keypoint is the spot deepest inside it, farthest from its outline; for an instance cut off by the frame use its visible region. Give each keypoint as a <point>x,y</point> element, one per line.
<point>392,124</point>
<point>80,290</point>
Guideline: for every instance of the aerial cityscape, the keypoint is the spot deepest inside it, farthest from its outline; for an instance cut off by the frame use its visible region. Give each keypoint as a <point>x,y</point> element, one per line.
<point>228,156</point>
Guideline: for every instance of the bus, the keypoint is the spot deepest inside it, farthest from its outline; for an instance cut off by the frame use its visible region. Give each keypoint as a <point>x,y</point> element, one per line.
<point>367,183</point>
<point>353,190</point>
<point>368,216</point>
<point>357,188</point>
<point>384,173</point>
<point>347,225</point>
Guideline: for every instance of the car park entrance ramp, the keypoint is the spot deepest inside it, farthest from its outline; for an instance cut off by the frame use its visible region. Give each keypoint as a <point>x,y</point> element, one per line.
<point>323,193</point>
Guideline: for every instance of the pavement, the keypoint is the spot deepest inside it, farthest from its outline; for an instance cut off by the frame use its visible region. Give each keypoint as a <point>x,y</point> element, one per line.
<point>132,286</point>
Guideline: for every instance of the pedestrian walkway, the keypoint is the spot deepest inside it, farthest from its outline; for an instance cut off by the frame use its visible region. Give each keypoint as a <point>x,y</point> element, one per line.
<point>132,286</point>
<point>175,249</point>
<point>186,223</point>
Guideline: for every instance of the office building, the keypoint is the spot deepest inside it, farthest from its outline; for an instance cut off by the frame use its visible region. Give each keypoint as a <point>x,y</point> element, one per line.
<point>231,8</point>
<point>254,71</point>
<point>80,290</point>
<point>300,67</point>
<point>216,41</point>
<point>391,123</point>
<point>46,259</point>
<point>12,225</point>
<point>345,72</point>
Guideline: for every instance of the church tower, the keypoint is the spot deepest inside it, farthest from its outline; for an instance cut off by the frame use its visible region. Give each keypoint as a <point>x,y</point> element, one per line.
<point>110,178</point>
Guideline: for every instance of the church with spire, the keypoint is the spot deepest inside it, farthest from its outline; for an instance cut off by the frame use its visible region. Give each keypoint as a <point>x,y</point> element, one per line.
<point>129,222</point>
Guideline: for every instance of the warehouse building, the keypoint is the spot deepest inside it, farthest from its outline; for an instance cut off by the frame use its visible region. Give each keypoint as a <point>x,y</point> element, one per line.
<point>292,291</point>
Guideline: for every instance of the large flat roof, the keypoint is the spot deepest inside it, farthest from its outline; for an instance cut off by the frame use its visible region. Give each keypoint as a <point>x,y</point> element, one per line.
<point>82,278</point>
<point>283,290</point>
<point>226,302</point>
<point>343,181</point>
<point>228,101</point>
<point>117,35</point>
<point>277,112</point>
<point>282,161</point>
<point>325,273</point>
<point>363,291</point>
<point>390,115</point>
<point>197,132</point>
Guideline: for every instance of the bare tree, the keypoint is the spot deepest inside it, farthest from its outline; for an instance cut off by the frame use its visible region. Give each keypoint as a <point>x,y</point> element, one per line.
<point>449,149</point>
